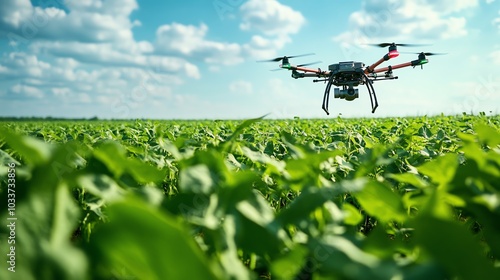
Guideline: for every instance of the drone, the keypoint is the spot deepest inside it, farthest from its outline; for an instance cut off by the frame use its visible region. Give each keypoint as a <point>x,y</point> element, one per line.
<point>345,76</point>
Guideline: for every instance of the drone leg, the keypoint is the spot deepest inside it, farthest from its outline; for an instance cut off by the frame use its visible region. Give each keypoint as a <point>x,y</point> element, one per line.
<point>326,97</point>
<point>371,92</point>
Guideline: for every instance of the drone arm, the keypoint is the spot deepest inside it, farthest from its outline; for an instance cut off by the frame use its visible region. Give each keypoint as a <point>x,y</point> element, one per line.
<point>313,75</point>
<point>307,72</point>
<point>372,67</point>
<point>385,69</point>
<point>314,72</point>
<point>402,65</point>
<point>391,54</point>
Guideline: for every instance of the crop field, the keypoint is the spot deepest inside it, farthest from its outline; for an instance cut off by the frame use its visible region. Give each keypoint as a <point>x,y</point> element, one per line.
<point>386,198</point>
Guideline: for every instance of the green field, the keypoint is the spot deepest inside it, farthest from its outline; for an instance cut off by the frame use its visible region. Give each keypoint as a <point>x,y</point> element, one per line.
<point>387,198</point>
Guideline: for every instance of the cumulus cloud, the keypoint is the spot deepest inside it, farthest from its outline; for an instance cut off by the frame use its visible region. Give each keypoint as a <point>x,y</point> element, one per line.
<point>93,31</point>
<point>64,82</point>
<point>270,17</point>
<point>18,65</point>
<point>273,21</point>
<point>13,13</point>
<point>112,56</point>
<point>80,52</point>
<point>262,47</point>
<point>190,40</point>
<point>87,21</point>
<point>27,91</point>
<point>406,20</point>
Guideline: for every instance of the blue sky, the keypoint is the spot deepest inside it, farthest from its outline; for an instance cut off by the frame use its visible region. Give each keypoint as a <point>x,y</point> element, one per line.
<point>196,59</point>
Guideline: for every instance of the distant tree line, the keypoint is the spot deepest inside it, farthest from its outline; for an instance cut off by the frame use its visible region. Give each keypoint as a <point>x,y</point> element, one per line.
<point>47,119</point>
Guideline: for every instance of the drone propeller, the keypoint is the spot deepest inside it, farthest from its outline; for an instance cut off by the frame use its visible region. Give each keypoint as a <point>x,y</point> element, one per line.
<point>310,63</point>
<point>300,65</point>
<point>425,53</point>
<point>283,57</point>
<point>383,45</point>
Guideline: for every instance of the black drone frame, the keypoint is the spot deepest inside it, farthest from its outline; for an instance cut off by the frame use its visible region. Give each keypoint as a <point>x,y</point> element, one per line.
<point>363,80</point>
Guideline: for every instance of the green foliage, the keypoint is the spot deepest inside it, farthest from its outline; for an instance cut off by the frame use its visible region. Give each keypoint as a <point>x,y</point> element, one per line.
<point>393,198</point>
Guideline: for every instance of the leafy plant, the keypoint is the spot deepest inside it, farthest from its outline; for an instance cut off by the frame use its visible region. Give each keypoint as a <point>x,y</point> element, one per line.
<point>405,198</point>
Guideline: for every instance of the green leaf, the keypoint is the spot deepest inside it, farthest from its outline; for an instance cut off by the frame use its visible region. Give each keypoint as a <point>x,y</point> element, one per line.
<point>113,155</point>
<point>453,247</point>
<point>488,219</point>
<point>144,172</point>
<point>196,179</point>
<point>32,150</point>
<point>381,202</point>
<point>149,245</point>
<point>239,130</point>
<point>440,170</point>
<point>339,258</point>
<point>101,186</point>
<point>353,217</point>
<point>47,216</point>
<point>5,159</point>
<point>254,229</point>
<point>488,135</point>
<point>409,179</point>
<point>275,165</point>
<point>203,171</point>
<point>311,198</point>
<point>289,265</point>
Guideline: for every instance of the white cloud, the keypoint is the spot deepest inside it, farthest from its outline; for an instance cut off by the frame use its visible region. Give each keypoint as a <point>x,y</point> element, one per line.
<point>273,21</point>
<point>27,91</point>
<point>241,87</point>
<point>87,21</point>
<point>16,65</point>
<point>81,52</point>
<point>13,13</point>
<point>190,40</point>
<point>118,7</point>
<point>185,39</point>
<point>3,69</point>
<point>451,6</point>
<point>61,91</point>
<point>261,47</point>
<point>108,54</point>
<point>406,20</point>
<point>270,17</point>
<point>118,89</point>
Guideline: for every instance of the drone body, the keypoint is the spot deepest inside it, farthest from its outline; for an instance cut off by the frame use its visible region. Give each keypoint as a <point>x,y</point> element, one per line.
<point>345,76</point>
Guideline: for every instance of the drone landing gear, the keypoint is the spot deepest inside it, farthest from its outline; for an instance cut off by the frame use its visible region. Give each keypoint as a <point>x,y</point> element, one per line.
<point>371,93</point>
<point>326,97</point>
<point>369,86</point>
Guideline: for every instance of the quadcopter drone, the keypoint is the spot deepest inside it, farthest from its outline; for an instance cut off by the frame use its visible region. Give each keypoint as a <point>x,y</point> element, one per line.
<point>350,74</point>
